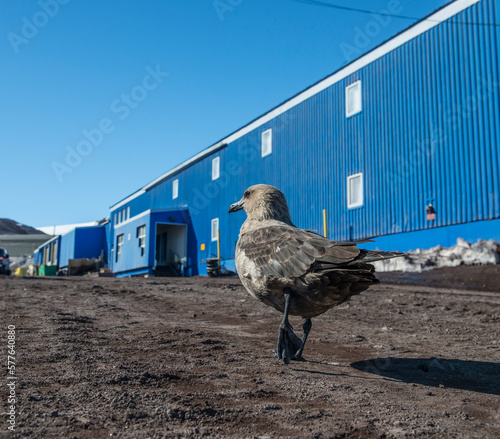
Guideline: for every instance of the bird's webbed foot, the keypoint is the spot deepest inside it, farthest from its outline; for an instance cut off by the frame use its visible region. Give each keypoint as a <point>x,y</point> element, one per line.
<point>306,328</point>
<point>288,343</point>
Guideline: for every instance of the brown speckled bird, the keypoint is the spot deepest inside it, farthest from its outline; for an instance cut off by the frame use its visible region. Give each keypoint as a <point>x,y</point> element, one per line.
<point>296,271</point>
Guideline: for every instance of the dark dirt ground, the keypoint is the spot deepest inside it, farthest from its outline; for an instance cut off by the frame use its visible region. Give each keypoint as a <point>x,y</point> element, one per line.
<point>468,277</point>
<point>167,358</point>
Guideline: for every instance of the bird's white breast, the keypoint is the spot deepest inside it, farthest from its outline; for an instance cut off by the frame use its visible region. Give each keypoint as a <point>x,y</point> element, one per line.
<point>249,274</point>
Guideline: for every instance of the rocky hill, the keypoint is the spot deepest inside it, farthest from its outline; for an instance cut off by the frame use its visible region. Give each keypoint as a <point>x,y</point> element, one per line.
<point>10,227</point>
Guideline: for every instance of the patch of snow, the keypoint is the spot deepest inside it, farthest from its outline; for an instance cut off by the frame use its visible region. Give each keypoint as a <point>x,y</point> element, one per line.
<point>463,253</point>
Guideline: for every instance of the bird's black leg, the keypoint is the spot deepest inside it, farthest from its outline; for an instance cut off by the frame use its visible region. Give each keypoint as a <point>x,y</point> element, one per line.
<point>288,342</point>
<point>306,327</point>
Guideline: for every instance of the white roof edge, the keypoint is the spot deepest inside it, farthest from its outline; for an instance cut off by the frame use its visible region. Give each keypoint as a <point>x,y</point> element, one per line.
<point>64,229</point>
<point>129,198</point>
<point>69,230</point>
<point>45,243</point>
<point>417,29</point>
<point>147,212</point>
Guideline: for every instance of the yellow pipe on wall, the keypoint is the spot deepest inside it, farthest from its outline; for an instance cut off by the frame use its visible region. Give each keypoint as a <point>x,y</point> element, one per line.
<point>324,223</point>
<point>218,247</point>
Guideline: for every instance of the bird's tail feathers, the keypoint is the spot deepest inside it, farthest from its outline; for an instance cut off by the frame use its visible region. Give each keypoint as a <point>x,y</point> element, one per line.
<point>378,255</point>
<point>360,241</point>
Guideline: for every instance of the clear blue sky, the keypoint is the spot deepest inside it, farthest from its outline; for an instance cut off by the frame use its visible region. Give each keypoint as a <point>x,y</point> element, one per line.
<point>152,83</point>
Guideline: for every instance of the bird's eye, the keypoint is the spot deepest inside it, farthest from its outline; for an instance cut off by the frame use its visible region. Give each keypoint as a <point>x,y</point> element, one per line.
<point>247,193</point>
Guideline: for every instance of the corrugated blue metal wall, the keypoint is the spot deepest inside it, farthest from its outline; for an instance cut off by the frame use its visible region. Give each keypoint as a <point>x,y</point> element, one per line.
<point>90,242</point>
<point>428,132</point>
<point>66,248</point>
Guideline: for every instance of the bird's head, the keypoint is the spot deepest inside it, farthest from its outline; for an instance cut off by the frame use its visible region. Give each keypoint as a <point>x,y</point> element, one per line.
<point>263,202</point>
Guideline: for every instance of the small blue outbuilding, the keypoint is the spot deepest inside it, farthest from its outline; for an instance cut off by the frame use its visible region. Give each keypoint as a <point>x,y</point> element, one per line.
<point>154,242</point>
<point>81,242</point>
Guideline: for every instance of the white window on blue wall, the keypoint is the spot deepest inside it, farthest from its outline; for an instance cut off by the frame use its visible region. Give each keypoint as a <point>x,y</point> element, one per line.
<point>353,99</point>
<point>141,236</point>
<point>128,212</point>
<point>267,142</point>
<point>215,229</point>
<point>119,243</point>
<point>215,168</point>
<point>53,253</point>
<point>355,190</point>
<point>119,217</point>
<point>175,189</point>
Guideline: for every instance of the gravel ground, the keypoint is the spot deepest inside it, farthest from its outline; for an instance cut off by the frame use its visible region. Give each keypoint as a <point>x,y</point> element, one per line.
<point>168,358</point>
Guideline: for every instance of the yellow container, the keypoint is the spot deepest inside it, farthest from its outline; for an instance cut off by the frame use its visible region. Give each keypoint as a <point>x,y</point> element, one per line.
<point>21,271</point>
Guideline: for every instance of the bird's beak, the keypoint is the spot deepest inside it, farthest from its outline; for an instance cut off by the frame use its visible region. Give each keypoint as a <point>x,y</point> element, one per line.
<point>236,206</point>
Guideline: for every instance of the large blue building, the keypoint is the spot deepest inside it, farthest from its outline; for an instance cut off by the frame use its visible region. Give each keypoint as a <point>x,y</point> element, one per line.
<point>414,122</point>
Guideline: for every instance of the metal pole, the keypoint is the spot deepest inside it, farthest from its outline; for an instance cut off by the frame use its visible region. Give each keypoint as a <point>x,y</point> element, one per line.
<point>324,224</point>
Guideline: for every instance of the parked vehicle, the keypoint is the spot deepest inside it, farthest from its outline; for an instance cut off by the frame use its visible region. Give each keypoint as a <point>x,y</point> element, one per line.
<point>4,262</point>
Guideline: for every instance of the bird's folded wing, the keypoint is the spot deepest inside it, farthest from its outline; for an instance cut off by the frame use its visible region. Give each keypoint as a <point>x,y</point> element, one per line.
<point>285,251</point>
